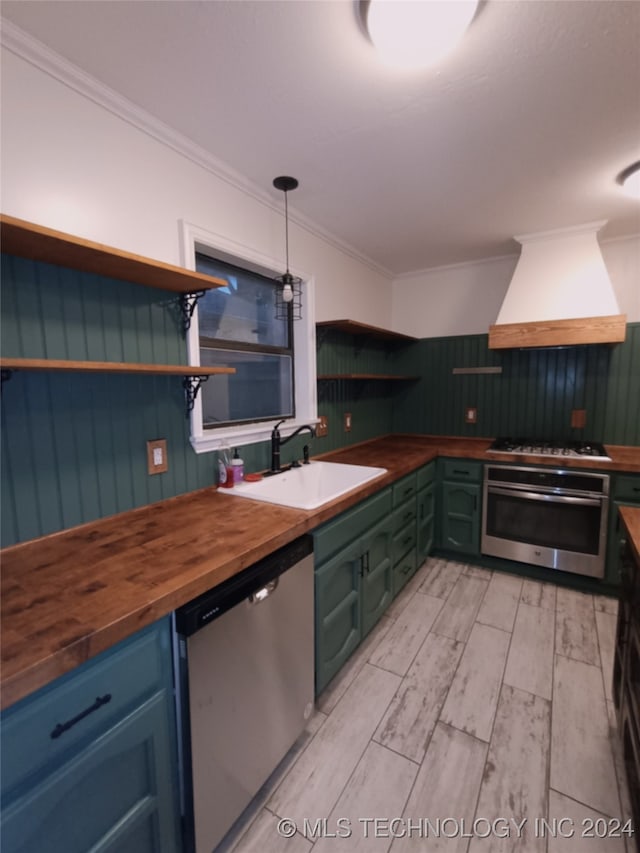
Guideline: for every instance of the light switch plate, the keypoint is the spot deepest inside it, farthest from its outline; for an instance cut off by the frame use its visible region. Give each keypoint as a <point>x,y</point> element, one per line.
<point>470,415</point>
<point>157,456</point>
<point>578,418</point>
<point>322,428</point>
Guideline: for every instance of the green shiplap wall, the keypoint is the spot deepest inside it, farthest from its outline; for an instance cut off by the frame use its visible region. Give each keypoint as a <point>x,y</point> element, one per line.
<point>533,396</point>
<point>369,401</point>
<point>73,445</point>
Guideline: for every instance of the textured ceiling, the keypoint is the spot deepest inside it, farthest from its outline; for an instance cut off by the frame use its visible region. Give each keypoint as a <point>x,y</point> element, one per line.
<point>522,128</point>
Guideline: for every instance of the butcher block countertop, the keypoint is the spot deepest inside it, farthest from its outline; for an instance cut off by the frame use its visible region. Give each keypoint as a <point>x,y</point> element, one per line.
<point>71,595</point>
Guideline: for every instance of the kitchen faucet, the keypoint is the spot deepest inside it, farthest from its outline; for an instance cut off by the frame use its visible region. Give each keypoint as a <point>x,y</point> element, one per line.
<point>277,442</point>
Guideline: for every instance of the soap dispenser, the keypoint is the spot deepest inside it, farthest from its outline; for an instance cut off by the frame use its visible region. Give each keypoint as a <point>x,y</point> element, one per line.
<point>237,467</point>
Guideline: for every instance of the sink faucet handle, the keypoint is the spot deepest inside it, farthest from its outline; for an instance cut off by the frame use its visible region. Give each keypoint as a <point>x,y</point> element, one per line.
<point>305,454</point>
<point>275,429</point>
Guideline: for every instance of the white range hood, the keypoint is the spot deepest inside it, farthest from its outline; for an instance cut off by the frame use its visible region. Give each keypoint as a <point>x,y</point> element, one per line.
<point>560,293</point>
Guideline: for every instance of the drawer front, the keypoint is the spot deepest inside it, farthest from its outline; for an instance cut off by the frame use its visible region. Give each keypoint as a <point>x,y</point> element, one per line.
<point>343,530</point>
<point>127,674</point>
<point>403,571</point>
<point>426,504</point>
<point>403,541</point>
<point>627,488</point>
<point>462,469</point>
<point>404,514</point>
<point>426,475</point>
<point>404,489</point>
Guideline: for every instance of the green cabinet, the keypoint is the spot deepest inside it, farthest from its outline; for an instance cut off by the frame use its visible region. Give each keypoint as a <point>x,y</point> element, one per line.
<point>625,491</point>
<point>404,531</point>
<point>460,514</point>
<point>426,511</point>
<point>353,580</point>
<point>375,571</point>
<point>89,762</point>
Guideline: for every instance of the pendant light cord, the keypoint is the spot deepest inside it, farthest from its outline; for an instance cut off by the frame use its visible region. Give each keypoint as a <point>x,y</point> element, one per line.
<point>286,227</point>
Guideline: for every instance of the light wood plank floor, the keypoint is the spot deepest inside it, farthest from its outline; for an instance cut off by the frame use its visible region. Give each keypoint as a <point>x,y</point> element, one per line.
<point>477,716</point>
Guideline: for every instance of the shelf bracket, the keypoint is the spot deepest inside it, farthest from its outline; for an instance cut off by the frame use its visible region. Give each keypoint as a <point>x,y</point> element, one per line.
<point>191,385</point>
<point>188,302</point>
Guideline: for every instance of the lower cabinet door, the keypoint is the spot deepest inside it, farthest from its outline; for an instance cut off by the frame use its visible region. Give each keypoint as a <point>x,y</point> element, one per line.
<point>337,602</point>
<point>461,517</point>
<point>115,796</point>
<point>377,580</point>
<point>615,540</point>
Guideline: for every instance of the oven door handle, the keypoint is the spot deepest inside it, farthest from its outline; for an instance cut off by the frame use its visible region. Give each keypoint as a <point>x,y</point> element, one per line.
<point>537,496</point>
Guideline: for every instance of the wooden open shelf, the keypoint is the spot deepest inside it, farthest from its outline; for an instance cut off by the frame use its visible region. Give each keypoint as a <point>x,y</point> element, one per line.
<point>110,367</point>
<point>38,243</point>
<point>354,328</point>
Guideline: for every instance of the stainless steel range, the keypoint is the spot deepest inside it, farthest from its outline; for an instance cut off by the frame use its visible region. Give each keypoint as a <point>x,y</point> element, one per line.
<point>562,449</point>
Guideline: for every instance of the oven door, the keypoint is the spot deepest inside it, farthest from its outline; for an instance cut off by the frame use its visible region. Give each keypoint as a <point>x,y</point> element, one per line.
<point>556,531</point>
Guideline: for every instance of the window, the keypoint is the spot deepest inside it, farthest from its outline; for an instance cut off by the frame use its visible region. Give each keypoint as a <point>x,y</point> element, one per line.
<point>238,328</point>
<point>275,361</point>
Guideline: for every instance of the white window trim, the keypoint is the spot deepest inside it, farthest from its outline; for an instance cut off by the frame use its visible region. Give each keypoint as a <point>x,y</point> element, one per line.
<point>194,238</point>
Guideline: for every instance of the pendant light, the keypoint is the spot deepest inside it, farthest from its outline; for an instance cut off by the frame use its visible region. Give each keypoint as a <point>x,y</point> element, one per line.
<point>289,296</point>
<point>629,180</point>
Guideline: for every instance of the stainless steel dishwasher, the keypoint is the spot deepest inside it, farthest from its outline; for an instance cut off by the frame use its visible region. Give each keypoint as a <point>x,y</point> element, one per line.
<point>244,686</point>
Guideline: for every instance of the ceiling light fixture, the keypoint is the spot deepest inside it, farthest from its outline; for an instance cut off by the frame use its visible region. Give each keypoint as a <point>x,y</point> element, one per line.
<point>289,296</point>
<point>629,179</point>
<point>416,33</point>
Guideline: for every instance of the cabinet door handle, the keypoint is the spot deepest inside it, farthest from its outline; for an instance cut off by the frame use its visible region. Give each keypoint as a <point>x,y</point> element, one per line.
<point>408,490</point>
<point>406,540</point>
<point>366,562</point>
<point>458,471</point>
<point>61,728</point>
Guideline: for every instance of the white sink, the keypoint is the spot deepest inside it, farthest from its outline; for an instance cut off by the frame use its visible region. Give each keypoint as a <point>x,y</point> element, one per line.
<point>309,486</point>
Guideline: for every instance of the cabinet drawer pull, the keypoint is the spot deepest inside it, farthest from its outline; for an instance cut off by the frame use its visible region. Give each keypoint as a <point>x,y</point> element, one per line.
<point>406,570</point>
<point>463,471</point>
<point>408,515</point>
<point>406,540</point>
<point>408,490</point>
<point>61,728</point>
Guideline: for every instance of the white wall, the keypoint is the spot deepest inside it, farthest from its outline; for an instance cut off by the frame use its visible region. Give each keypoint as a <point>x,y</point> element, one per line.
<point>71,164</point>
<point>464,299</point>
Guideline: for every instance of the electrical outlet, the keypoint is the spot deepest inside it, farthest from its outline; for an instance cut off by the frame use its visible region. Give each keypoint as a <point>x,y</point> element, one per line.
<point>578,418</point>
<point>322,428</point>
<point>347,421</point>
<point>157,456</point>
<point>470,415</point>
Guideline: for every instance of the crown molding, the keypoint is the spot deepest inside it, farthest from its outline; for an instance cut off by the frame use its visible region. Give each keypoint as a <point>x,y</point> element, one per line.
<point>36,53</point>
<point>405,276</point>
